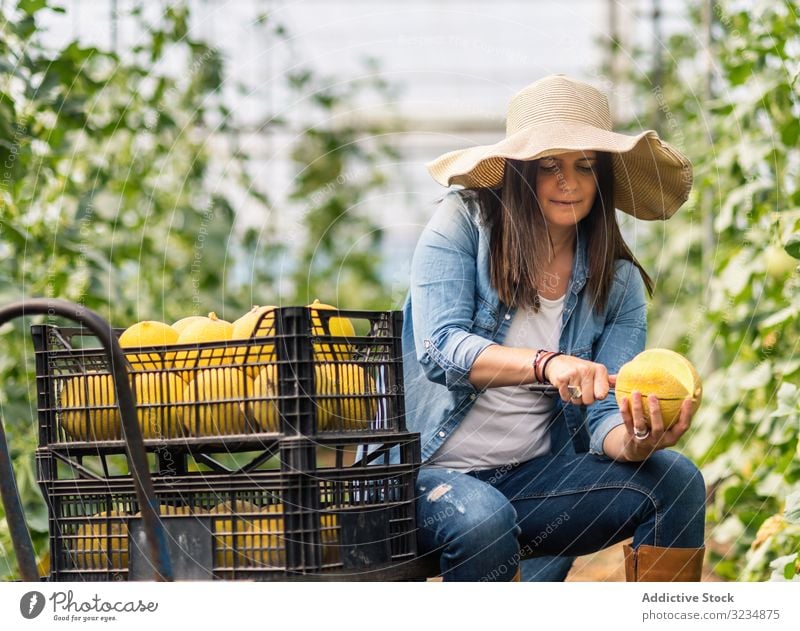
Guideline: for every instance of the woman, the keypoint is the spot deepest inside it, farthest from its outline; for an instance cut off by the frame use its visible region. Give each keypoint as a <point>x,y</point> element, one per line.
<point>522,277</point>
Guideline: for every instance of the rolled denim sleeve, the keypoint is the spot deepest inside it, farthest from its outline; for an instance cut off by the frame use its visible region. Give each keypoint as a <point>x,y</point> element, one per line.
<point>622,339</point>
<point>443,277</point>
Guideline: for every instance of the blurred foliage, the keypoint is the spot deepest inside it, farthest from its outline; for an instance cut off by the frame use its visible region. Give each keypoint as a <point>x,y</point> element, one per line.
<point>728,290</point>
<point>102,199</point>
<point>338,166</point>
<point>108,166</point>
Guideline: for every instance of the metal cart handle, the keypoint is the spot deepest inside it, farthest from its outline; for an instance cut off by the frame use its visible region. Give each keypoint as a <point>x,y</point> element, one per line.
<point>134,444</point>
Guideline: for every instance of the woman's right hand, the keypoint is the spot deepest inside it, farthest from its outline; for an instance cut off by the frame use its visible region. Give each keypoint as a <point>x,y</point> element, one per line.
<point>590,379</point>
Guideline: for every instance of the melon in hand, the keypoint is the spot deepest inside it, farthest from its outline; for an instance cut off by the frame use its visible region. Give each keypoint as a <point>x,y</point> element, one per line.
<point>664,373</point>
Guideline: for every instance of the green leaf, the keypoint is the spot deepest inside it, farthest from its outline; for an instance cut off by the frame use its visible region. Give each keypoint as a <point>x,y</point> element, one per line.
<point>792,246</point>
<point>19,236</point>
<point>790,132</point>
<point>784,568</point>
<point>31,6</point>
<point>24,29</point>
<point>741,73</point>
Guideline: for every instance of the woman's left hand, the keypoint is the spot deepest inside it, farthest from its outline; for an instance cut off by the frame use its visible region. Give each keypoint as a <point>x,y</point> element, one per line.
<point>632,409</point>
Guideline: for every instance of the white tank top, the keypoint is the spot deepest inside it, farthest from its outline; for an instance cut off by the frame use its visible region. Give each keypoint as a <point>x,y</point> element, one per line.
<point>508,424</point>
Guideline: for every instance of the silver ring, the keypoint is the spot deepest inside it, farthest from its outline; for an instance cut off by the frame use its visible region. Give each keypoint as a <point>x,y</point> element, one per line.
<point>641,435</point>
<point>575,392</point>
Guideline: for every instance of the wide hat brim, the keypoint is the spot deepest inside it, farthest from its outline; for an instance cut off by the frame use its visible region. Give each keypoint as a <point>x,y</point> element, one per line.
<point>652,179</point>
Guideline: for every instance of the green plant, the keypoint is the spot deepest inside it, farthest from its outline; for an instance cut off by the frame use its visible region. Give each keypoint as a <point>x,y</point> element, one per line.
<point>337,170</point>
<point>108,195</point>
<point>728,293</point>
<point>102,197</point>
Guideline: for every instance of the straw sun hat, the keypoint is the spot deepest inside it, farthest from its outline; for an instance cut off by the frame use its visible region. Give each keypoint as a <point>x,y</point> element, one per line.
<point>557,114</point>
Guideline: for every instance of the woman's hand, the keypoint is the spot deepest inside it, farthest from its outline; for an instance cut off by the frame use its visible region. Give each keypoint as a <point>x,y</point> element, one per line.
<point>624,444</point>
<point>589,380</point>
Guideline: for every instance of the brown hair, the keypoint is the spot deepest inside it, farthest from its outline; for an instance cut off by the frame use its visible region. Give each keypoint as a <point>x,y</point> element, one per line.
<point>520,239</point>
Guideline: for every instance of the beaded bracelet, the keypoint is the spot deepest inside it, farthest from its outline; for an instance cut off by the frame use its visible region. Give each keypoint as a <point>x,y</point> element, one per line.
<point>544,365</point>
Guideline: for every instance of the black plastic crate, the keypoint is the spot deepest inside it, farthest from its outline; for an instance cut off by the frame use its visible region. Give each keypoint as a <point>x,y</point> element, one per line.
<point>292,379</point>
<point>59,463</point>
<point>352,522</point>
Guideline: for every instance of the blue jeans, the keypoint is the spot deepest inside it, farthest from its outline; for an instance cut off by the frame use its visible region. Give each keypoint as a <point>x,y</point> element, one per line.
<point>481,523</point>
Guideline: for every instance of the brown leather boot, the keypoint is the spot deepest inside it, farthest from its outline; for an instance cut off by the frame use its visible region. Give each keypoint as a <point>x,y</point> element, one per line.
<point>651,563</point>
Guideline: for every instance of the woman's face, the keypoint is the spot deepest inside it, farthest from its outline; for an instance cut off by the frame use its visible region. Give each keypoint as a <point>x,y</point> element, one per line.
<point>566,187</point>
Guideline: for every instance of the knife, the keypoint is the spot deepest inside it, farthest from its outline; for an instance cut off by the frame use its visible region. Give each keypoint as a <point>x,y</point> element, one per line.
<point>546,388</point>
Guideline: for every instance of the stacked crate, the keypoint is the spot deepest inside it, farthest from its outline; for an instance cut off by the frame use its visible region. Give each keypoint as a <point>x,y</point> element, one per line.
<point>270,456</point>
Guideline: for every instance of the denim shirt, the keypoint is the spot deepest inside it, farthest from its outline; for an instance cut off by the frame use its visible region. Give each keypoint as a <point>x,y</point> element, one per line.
<point>452,313</point>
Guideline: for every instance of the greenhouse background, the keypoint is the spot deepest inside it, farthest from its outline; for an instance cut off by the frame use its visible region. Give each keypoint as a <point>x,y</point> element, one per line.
<point>451,68</point>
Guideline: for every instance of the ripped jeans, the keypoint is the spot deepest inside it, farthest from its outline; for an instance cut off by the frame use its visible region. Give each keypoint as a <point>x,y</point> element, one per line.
<point>482,523</point>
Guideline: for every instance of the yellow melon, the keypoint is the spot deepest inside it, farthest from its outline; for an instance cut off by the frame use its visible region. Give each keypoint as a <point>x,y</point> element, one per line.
<point>215,404</point>
<point>259,322</point>
<point>265,402</point>
<point>238,516</point>
<point>203,331</point>
<point>168,510</point>
<point>345,396</point>
<point>260,540</point>
<point>245,326</point>
<point>329,535</point>
<point>101,543</point>
<point>336,326</point>
<point>158,395</point>
<point>144,334</point>
<point>181,325</point>
<point>665,373</point>
<point>88,408</point>
<point>262,543</point>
